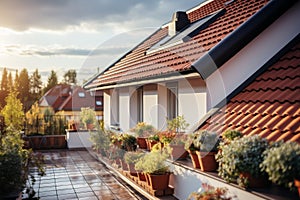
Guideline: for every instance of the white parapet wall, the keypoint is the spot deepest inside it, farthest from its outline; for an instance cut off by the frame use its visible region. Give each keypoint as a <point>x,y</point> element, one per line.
<point>186,180</point>
<point>78,139</point>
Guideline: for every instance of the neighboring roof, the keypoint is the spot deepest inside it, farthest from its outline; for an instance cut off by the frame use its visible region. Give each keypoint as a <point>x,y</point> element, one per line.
<point>66,97</point>
<point>81,98</point>
<point>138,64</point>
<point>269,106</point>
<point>54,96</point>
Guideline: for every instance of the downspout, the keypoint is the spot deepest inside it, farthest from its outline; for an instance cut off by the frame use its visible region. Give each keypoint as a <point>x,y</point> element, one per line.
<point>234,42</point>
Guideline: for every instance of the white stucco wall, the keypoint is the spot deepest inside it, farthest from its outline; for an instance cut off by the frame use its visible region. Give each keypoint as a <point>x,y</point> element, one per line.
<point>107,108</point>
<point>186,181</point>
<point>124,109</point>
<point>162,108</point>
<point>240,67</point>
<point>150,106</point>
<point>192,101</point>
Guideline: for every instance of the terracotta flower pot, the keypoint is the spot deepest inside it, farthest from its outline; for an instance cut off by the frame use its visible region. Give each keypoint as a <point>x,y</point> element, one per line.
<point>158,182</point>
<point>178,152</point>
<point>141,176</point>
<point>142,142</point>
<point>207,161</point>
<point>195,159</point>
<point>297,185</point>
<point>131,169</point>
<point>150,144</point>
<point>124,165</point>
<point>254,182</point>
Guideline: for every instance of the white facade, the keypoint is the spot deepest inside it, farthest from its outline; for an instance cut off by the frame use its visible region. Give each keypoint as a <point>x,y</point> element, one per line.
<point>124,107</point>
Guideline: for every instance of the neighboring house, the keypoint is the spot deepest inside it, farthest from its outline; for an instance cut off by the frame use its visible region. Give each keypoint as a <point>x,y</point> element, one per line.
<point>67,100</point>
<point>196,62</point>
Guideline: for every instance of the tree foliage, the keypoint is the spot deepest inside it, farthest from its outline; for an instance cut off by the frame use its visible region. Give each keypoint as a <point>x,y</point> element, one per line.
<point>70,77</point>
<point>52,81</point>
<point>13,111</point>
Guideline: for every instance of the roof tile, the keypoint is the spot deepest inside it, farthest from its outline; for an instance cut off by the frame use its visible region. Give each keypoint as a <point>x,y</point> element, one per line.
<point>269,106</point>
<point>137,64</point>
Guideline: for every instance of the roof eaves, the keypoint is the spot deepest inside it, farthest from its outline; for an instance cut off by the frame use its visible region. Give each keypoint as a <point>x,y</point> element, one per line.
<point>240,37</point>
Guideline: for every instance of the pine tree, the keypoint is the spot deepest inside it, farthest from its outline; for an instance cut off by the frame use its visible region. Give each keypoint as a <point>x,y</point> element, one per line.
<point>24,87</point>
<point>52,81</point>
<point>17,81</point>
<point>3,88</point>
<point>13,111</point>
<point>10,82</point>
<point>70,77</point>
<point>36,85</point>
<point>4,80</point>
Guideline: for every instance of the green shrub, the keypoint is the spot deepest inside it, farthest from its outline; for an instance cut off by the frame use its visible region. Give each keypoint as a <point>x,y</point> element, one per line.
<point>282,163</point>
<point>241,155</point>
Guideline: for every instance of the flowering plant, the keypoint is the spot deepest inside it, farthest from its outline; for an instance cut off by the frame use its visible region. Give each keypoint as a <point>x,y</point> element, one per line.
<point>210,193</point>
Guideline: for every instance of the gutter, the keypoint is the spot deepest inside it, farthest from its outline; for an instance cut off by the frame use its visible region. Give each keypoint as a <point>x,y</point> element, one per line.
<point>147,81</point>
<point>245,33</point>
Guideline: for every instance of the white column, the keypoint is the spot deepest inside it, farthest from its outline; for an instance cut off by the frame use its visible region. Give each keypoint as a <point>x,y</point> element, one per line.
<point>106,108</point>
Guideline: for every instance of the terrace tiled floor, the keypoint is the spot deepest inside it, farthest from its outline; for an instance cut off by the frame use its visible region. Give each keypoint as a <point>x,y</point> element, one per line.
<point>77,175</point>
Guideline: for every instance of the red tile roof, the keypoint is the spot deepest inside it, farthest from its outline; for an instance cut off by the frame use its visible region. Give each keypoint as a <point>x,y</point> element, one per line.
<point>137,64</point>
<point>269,106</point>
<point>74,102</point>
<point>66,97</point>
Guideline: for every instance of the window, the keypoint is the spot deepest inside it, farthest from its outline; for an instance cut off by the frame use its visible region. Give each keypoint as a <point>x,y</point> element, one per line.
<point>140,104</point>
<point>98,103</point>
<point>187,33</point>
<point>172,100</point>
<point>81,94</point>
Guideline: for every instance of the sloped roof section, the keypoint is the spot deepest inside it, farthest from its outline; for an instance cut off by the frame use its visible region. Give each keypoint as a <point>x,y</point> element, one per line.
<point>81,98</point>
<point>137,64</point>
<point>269,106</point>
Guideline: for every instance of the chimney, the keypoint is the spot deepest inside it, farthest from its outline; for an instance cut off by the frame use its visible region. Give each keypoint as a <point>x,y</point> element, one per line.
<point>179,21</point>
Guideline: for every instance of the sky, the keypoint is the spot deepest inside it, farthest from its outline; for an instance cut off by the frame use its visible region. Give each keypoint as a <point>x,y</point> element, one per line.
<point>86,35</point>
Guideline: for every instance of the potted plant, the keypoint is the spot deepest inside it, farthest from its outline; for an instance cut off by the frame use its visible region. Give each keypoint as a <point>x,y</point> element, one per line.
<point>240,161</point>
<point>131,158</point>
<point>191,148</point>
<point>210,193</point>
<point>100,140</point>
<point>88,117</point>
<point>177,144</point>
<point>152,140</point>
<point>230,135</point>
<point>128,142</point>
<point>208,143</point>
<point>143,130</point>
<point>282,164</point>
<point>177,124</point>
<point>154,165</point>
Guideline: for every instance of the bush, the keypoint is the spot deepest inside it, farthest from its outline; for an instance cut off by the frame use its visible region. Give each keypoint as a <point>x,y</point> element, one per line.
<point>282,163</point>
<point>143,129</point>
<point>154,162</point>
<point>241,155</point>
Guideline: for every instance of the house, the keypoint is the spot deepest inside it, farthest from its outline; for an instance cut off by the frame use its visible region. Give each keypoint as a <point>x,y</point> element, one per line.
<point>67,100</point>
<point>222,64</point>
<point>194,62</point>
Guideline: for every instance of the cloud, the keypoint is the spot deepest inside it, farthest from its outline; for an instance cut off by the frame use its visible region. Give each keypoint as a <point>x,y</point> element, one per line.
<point>63,51</point>
<point>61,15</point>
